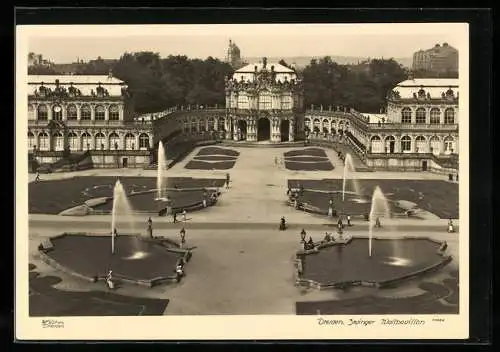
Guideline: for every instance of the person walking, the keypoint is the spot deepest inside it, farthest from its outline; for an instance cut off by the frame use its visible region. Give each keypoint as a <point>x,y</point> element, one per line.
<point>174,214</point>
<point>37,178</point>
<point>184,212</point>
<point>349,220</point>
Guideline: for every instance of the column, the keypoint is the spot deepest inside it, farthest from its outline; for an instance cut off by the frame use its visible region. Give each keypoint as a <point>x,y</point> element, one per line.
<point>78,112</point>
<point>49,112</point>
<point>106,112</point>
<point>216,123</point>
<point>35,114</point>
<point>92,112</point>
<point>137,141</point>
<point>64,112</point>
<point>291,135</point>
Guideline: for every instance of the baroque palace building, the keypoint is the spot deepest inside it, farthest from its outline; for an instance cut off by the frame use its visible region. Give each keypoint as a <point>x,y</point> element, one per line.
<point>419,130</point>
<point>76,115</point>
<point>265,102</point>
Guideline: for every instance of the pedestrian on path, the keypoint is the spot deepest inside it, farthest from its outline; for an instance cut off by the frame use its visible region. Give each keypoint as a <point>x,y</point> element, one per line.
<point>349,220</point>
<point>174,214</point>
<point>184,212</point>
<point>37,178</point>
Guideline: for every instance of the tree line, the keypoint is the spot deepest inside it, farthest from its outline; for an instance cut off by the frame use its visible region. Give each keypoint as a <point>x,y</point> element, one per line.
<point>157,83</point>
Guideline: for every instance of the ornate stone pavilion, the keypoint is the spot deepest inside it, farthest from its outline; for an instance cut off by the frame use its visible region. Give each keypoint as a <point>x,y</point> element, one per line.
<point>264,102</point>
<point>70,115</point>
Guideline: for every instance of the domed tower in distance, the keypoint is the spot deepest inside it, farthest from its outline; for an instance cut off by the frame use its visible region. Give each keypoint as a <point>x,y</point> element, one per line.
<point>233,55</point>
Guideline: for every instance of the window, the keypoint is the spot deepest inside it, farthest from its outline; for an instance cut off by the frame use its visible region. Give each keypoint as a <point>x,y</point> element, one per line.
<point>221,124</point>
<point>194,126</point>
<point>211,124</point>
<point>129,141</point>
<point>100,113</point>
<point>420,144</point>
<point>31,141</point>
<point>31,112</point>
<point>43,113</point>
<point>376,145</point>
<point>449,145</point>
<point>307,123</point>
<point>435,145</point>
<point>390,142</point>
<point>85,112</point>
<point>435,116</point>
<point>420,115</point>
<point>316,124</point>
<point>43,139</point>
<point>74,143</point>
<point>406,144</point>
<point>143,141</point>
<point>449,116</point>
<point>71,112</point>
<point>242,102</point>
<point>58,141</point>
<point>265,102</point>
<point>100,141</point>
<point>286,102</point>
<point>326,124</point>
<point>114,113</point>
<point>406,115</point>
<point>57,112</point>
<point>114,141</point>
<point>86,141</point>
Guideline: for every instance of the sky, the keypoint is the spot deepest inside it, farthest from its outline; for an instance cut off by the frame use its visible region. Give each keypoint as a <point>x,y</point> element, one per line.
<point>201,41</point>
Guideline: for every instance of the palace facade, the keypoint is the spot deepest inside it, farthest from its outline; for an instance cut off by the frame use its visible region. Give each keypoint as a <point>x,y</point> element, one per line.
<point>419,130</point>
<point>72,115</point>
<point>264,101</point>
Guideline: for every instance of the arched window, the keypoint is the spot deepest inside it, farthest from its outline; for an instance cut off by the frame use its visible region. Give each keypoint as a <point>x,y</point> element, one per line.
<point>286,102</point>
<point>390,143</point>
<point>420,115</point>
<point>31,141</point>
<point>307,123</point>
<point>31,112</point>
<point>129,141</point>
<point>449,116</point>
<point>435,145</point>
<point>58,141</point>
<point>449,145</point>
<point>74,142</point>
<point>194,126</point>
<point>406,144</point>
<point>71,112</point>
<point>326,124</point>
<point>114,141</point>
<point>85,112</point>
<point>435,116</point>
<point>100,141</point>
<point>420,144</point>
<point>143,141</point>
<point>221,123</point>
<point>265,102</point>
<point>86,141</point>
<point>376,144</point>
<point>202,124</point>
<point>185,127</point>
<point>100,113</point>
<point>316,125</point>
<point>43,139</point>
<point>211,124</point>
<point>43,112</point>
<point>332,125</point>
<point>406,115</point>
<point>57,112</point>
<point>114,113</point>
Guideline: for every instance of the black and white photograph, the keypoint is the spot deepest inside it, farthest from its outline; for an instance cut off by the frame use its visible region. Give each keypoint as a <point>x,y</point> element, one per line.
<point>242,181</point>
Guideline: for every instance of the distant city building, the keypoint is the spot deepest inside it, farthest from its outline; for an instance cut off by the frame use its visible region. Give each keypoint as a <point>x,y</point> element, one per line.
<point>439,59</point>
<point>233,55</point>
<point>38,60</point>
<point>74,114</point>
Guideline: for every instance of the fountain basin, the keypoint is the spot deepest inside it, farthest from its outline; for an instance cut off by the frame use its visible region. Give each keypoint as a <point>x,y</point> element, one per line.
<point>393,261</point>
<point>142,261</point>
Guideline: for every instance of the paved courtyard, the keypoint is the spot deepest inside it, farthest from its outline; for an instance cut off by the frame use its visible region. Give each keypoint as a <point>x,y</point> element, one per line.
<point>241,263</point>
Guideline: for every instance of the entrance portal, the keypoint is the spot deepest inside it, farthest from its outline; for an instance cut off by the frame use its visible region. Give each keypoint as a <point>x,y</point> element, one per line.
<point>285,130</point>
<point>424,165</point>
<point>242,130</point>
<point>125,162</point>
<point>264,129</point>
